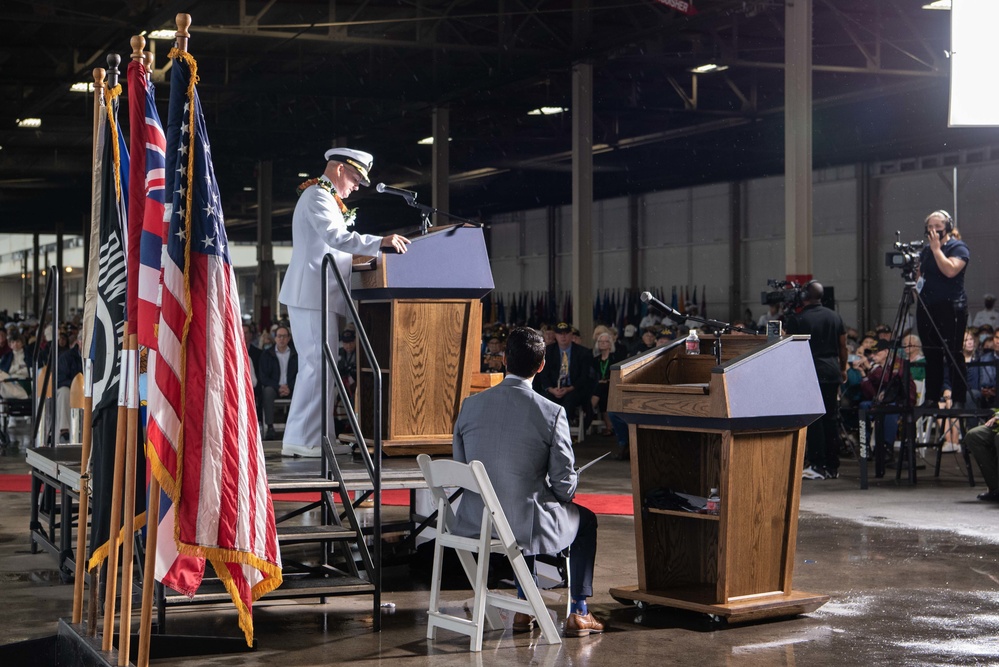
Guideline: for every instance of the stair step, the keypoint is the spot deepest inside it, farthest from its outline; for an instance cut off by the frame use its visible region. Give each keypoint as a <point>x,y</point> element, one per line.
<point>297,483</point>
<point>287,534</point>
<point>294,586</point>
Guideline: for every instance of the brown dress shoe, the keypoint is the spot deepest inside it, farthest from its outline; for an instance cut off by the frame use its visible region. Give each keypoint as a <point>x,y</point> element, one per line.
<point>523,622</point>
<point>578,625</point>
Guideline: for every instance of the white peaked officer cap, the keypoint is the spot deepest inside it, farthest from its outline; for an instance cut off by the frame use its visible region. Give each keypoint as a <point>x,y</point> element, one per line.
<point>359,160</point>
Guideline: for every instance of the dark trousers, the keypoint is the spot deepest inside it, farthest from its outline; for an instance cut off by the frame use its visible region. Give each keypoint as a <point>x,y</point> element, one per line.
<point>582,555</point>
<point>268,396</point>
<point>572,401</point>
<point>822,440</point>
<point>951,320</point>
<point>984,446</point>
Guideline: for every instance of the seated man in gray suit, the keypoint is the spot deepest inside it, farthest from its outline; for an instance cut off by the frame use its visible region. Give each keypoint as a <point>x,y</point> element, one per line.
<point>523,441</point>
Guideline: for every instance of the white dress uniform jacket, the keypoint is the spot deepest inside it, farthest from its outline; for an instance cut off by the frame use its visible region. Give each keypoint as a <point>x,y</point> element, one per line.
<point>318,228</point>
<point>523,441</point>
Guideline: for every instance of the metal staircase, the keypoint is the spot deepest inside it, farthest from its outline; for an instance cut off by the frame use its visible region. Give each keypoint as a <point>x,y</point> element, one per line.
<point>330,558</point>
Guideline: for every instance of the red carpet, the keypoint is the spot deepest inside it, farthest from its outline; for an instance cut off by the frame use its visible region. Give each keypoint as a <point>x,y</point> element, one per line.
<point>600,504</point>
<point>15,483</point>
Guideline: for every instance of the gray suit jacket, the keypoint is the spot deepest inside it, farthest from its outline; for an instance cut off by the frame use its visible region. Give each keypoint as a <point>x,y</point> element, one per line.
<point>318,228</point>
<point>523,441</point>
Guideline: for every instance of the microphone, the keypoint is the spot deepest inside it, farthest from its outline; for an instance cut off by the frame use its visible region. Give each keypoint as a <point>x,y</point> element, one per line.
<point>677,317</point>
<point>408,195</point>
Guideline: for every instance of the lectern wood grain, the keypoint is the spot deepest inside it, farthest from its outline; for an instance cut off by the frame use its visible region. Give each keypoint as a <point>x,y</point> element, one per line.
<point>695,425</point>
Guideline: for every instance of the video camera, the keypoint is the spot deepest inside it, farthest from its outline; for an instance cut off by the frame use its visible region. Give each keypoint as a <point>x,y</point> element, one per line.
<point>786,292</point>
<point>905,256</point>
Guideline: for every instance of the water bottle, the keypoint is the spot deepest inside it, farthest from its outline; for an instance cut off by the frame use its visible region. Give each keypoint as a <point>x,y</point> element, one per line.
<point>714,502</point>
<point>693,343</point>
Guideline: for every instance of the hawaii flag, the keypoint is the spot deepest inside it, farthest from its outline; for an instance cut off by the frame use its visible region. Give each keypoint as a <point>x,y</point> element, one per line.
<point>205,448</point>
<point>145,214</point>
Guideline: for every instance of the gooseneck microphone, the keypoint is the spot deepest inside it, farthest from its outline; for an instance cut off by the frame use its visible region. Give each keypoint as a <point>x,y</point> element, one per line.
<point>398,192</point>
<point>674,315</point>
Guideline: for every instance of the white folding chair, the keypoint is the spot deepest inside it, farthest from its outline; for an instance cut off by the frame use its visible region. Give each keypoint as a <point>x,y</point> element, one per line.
<point>472,477</point>
<point>579,431</point>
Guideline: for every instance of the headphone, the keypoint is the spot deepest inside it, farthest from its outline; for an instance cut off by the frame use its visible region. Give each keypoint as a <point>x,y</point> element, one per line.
<point>948,221</point>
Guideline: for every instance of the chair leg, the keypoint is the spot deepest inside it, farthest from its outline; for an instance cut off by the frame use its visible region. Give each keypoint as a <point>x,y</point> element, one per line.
<point>526,580</point>
<point>435,590</point>
<point>568,585</point>
<point>481,590</point>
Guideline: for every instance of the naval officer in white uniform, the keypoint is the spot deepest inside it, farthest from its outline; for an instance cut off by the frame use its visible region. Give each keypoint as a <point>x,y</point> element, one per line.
<point>319,226</point>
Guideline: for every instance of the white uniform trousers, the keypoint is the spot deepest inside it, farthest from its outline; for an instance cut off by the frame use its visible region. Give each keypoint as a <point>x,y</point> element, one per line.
<point>304,426</point>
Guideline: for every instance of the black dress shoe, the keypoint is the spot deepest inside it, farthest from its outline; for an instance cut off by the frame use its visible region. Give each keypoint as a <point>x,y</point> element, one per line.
<point>991,496</point>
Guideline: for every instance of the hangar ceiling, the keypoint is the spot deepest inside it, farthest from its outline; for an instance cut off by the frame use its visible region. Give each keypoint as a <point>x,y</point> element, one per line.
<point>282,81</point>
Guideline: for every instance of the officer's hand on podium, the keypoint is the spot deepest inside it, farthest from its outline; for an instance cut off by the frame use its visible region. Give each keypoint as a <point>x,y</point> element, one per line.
<point>394,243</point>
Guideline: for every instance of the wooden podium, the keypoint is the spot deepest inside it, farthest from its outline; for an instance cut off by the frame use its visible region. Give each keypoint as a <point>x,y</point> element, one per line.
<point>423,315</point>
<point>738,427</point>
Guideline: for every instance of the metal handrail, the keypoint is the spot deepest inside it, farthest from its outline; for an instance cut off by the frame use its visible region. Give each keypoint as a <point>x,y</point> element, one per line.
<point>373,464</point>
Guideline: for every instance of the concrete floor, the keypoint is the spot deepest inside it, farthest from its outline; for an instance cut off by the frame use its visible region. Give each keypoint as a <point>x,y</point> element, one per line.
<point>912,573</point>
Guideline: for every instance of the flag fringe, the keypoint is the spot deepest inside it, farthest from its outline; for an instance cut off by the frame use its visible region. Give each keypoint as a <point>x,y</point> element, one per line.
<point>101,552</point>
<point>219,557</point>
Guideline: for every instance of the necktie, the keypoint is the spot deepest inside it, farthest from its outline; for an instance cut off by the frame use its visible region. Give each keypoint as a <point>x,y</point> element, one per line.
<point>563,371</point>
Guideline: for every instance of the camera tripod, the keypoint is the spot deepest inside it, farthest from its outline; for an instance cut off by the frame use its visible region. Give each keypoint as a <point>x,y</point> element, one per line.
<point>901,405</point>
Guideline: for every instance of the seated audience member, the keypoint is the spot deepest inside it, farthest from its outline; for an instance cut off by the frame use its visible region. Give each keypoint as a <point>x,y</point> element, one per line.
<point>548,334</point>
<point>567,376</point>
<point>70,365</point>
<point>913,349</point>
<point>648,340</point>
<point>883,386</point>
<point>14,376</point>
<point>347,365</point>
<point>630,339</point>
<point>665,336</point>
<point>605,355</point>
<point>278,369</point>
<point>983,443</point>
<point>989,315</point>
<point>523,442</point>
<point>492,357</point>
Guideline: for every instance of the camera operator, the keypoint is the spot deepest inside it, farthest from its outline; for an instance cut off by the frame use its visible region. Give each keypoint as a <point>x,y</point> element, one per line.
<point>828,347</point>
<point>943,303</point>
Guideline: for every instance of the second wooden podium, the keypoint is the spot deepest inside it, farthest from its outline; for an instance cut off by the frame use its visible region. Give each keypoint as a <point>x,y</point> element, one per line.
<point>423,316</point>
<point>739,427</point>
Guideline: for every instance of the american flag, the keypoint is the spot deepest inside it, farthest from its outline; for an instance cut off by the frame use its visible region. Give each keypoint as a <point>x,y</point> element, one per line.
<point>206,449</point>
<point>145,214</point>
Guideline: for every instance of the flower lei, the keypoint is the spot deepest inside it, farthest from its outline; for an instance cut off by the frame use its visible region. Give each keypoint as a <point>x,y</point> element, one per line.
<point>349,214</point>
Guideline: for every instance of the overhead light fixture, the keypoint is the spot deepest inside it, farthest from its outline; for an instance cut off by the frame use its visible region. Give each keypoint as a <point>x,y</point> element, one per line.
<point>429,141</point>
<point>303,174</point>
<point>82,87</point>
<point>547,111</point>
<point>29,122</point>
<point>708,68</point>
<point>247,188</point>
<point>163,34</point>
<point>938,4</point>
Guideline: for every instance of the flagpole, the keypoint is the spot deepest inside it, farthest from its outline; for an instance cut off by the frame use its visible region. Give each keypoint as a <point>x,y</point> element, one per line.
<point>114,526</point>
<point>88,405</point>
<point>88,411</point>
<point>128,530</point>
